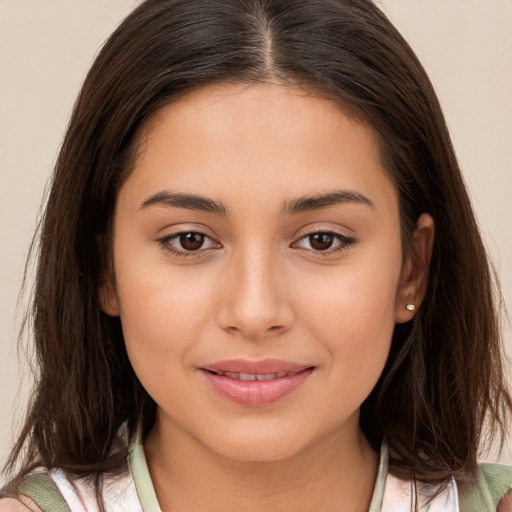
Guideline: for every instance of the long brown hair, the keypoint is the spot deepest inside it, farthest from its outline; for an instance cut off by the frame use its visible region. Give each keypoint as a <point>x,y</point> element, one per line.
<point>443,382</point>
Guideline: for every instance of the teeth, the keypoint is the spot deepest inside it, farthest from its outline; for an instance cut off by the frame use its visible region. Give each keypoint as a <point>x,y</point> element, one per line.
<point>247,376</point>
<point>269,376</point>
<point>252,376</point>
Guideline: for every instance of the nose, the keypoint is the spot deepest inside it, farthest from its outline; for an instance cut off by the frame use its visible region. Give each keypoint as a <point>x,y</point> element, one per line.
<point>255,304</point>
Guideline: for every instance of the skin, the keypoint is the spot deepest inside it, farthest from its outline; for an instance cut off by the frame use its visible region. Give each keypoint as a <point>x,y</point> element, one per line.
<point>257,288</point>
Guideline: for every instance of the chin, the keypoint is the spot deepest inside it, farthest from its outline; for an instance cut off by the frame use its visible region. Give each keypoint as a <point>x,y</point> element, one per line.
<point>259,450</point>
<point>266,441</point>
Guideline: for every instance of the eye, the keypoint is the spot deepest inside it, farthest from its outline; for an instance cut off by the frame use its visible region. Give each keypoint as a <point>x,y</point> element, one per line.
<point>324,241</point>
<point>187,242</point>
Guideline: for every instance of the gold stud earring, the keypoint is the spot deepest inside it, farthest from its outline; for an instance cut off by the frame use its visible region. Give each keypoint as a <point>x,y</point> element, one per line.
<point>410,307</point>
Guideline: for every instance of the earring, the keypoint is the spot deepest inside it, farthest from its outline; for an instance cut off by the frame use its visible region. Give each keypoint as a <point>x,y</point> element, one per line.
<point>410,307</point>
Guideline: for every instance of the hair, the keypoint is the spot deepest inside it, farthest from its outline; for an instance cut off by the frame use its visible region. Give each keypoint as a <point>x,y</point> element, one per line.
<point>443,383</point>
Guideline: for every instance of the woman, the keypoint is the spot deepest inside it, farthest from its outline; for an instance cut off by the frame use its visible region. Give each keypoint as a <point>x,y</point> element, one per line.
<point>257,274</point>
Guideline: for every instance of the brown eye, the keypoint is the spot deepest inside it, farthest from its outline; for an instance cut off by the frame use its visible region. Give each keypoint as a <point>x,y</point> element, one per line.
<point>328,242</point>
<point>191,241</point>
<point>321,241</point>
<point>188,243</point>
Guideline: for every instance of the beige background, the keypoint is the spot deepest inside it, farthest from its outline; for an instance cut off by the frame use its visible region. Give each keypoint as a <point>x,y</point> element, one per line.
<point>47,47</point>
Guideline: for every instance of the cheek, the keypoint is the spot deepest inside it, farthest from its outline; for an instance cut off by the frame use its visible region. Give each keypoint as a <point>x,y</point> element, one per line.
<point>163,314</point>
<point>361,294</point>
<point>160,329</point>
<point>353,312</point>
<point>156,297</point>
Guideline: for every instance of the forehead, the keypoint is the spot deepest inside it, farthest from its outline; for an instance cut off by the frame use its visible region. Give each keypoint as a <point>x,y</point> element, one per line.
<point>265,139</point>
<point>250,107</point>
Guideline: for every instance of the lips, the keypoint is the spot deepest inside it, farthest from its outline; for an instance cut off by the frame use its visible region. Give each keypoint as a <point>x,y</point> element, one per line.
<point>255,383</point>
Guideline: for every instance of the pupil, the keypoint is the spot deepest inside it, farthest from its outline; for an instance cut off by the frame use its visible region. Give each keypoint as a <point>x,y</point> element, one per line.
<point>191,241</point>
<point>321,241</point>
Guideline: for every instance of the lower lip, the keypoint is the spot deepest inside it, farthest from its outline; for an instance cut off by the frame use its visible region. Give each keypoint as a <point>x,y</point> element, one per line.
<point>256,392</point>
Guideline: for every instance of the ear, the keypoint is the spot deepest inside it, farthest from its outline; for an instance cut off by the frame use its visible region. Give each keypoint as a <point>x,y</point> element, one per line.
<point>109,302</point>
<point>413,284</point>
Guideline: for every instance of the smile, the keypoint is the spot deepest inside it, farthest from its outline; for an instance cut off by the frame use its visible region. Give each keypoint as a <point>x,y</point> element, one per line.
<point>255,383</point>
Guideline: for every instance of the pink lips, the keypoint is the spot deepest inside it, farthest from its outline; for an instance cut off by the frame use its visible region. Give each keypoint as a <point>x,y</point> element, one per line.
<point>255,382</point>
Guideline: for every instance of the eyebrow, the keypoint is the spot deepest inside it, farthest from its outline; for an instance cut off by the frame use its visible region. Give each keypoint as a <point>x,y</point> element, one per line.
<point>302,204</point>
<point>186,201</point>
<point>318,202</point>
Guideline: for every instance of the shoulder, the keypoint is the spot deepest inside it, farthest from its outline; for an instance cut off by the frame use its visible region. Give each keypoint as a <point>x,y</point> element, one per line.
<point>491,493</point>
<point>34,492</point>
<point>55,491</point>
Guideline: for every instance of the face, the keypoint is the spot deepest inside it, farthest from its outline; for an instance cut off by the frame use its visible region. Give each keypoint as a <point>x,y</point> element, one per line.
<point>258,269</point>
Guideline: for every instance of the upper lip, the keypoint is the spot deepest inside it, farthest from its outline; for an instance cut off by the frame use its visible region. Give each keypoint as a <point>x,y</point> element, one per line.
<point>262,367</point>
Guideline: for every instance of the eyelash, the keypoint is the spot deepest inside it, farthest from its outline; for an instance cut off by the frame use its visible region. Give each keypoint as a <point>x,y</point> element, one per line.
<point>344,242</point>
<point>165,243</point>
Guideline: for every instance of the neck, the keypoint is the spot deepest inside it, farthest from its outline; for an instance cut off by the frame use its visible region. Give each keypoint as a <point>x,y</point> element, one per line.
<point>336,474</point>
